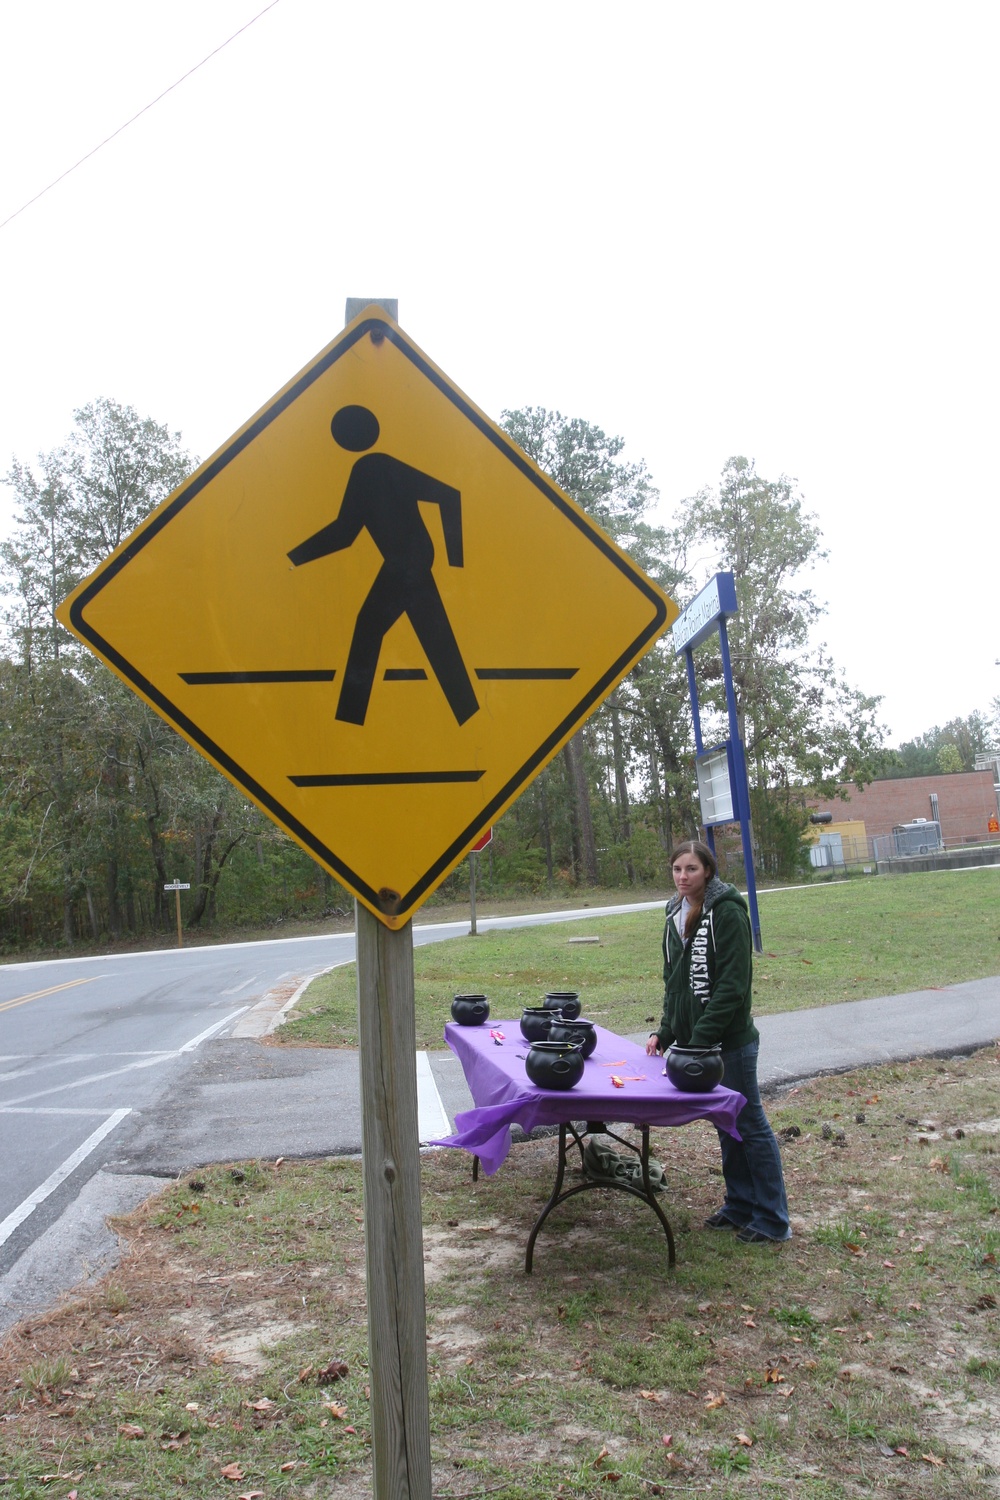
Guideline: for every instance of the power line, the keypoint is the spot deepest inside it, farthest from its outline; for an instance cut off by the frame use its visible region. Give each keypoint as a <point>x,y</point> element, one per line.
<point>214,53</point>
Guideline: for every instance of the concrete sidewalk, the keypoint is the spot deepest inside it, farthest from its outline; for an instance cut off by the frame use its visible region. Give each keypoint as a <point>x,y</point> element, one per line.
<point>895,1028</point>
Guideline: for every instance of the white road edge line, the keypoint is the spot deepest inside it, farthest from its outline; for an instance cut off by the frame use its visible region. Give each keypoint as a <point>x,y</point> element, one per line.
<point>42,1110</point>
<point>148,1062</point>
<point>15,1219</point>
<point>237,987</point>
<point>432,1117</point>
<point>203,1036</point>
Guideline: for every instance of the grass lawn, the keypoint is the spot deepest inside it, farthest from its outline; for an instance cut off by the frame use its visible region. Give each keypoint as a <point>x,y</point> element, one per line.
<point>227,1354</point>
<point>826,943</point>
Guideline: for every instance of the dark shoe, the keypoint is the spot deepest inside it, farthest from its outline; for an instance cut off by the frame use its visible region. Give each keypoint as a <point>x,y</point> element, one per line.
<point>719,1221</point>
<point>754,1237</point>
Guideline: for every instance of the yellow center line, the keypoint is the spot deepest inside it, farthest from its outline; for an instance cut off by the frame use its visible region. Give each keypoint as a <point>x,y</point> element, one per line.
<point>53,989</point>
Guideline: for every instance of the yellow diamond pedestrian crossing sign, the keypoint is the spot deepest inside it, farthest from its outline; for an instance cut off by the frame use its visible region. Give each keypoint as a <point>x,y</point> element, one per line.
<point>373,613</point>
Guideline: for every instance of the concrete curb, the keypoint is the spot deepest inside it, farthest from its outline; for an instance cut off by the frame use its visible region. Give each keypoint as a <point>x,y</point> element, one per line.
<point>75,1251</point>
<point>270,1012</point>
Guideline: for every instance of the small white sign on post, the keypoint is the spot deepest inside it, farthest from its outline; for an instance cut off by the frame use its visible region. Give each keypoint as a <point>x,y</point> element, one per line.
<point>715,787</point>
<point>177,886</point>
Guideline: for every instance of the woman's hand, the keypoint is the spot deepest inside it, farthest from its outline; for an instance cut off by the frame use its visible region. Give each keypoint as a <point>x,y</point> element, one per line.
<point>653,1045</point>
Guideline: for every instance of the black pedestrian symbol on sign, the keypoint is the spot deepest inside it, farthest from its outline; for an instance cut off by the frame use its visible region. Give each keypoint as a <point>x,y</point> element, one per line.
<point>382,497</point>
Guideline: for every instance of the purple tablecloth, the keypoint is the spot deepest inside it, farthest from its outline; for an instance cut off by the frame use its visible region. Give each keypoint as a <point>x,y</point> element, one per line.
<point>505,1096</point>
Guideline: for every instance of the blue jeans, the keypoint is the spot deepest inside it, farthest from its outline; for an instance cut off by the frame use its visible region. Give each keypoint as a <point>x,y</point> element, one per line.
<point>755,1184</point>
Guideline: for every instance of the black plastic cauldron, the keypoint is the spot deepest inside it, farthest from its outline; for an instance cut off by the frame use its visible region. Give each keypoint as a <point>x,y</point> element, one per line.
<point>554,1065</point>
<point>696,1070</point>
<point>470,1010</point>
<point>535,1023</point>
<point>582,1032</point>
<point>567,1001</point>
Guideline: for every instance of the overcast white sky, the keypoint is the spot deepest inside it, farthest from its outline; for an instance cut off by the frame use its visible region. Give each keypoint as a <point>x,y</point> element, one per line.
<point>764,228</point>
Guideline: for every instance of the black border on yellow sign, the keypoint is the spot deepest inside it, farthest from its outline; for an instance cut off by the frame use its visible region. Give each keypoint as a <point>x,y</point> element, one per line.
<point>405,901</point>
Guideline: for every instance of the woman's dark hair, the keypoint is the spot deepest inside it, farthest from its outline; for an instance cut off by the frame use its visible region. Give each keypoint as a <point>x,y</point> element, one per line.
<point>705,856</point>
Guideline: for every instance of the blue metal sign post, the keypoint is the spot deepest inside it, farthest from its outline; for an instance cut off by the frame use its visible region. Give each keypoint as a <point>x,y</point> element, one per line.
<point>707,613</point>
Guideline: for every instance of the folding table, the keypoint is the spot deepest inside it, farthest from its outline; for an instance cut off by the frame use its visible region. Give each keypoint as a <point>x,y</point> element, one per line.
<point>493,1057</point>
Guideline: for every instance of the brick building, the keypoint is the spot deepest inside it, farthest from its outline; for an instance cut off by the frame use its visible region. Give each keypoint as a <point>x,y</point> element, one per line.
<point>962,802</point>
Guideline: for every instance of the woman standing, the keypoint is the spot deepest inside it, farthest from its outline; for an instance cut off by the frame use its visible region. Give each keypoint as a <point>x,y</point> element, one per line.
<point>707,972</point>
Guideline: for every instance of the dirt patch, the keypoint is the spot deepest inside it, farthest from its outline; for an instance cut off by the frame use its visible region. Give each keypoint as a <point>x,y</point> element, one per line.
<point>468,1248</point>
<point>242,1339</point>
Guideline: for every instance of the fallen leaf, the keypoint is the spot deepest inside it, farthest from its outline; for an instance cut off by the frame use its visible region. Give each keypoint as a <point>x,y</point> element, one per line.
<point>932,1458</point>
<point>191,1406</point>
<point>601,1457</point>
<point>264,1404</point>
<point>350,1429</point>
<point>704,1306</point>
<point>335,1370</point>
<point>745,1307</point>
<point>854,1249</point>
<point>610,1478</point>
<point>773,1377</point>
<point>652,1396</point>
<point>304,1374</point>
<point>251,1495</point>
<point>131,1430</point>
<point>715,1399</point>
<point>903,1452</point>
<point>890,1265</point>
<point>231,1471</point>
<point>287,1468</point>
<point>667,1439</point>
<point>749,1323</point>
<point>747,1442</point>
<point>334,1410</point>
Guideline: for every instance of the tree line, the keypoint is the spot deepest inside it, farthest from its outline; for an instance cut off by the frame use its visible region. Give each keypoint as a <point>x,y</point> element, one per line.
<point>102,803</point>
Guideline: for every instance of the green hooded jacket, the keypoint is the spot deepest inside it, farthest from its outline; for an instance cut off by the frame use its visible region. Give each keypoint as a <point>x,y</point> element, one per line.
<point>707,981</point>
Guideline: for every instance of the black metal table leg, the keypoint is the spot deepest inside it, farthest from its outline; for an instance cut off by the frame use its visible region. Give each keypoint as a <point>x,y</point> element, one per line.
<point>645,1193</point>
<point>553,1200</point>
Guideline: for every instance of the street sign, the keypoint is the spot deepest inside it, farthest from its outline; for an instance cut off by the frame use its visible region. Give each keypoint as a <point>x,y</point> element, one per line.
<point>717,601</point>
<point>481,844</point>
<point>384,619</point>
<point>178,885</point>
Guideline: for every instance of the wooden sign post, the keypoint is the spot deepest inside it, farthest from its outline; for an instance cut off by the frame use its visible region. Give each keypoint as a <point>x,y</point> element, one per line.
<point>177,886</point>
<point>390,1168</point>
<point>390,1162</point>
